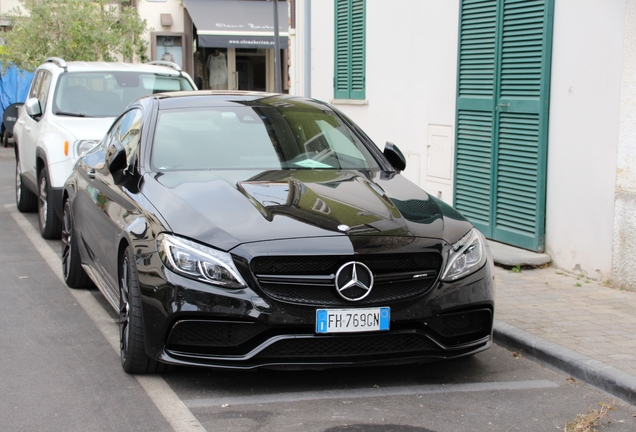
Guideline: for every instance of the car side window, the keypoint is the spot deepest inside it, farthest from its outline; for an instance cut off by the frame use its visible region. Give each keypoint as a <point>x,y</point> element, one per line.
<point>128,132</point>
<point>35,86</point>
<point>43,93</point>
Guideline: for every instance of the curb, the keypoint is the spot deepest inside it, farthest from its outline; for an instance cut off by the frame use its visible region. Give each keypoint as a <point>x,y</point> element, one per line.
<point>579,366</point>
<point>510,256</point>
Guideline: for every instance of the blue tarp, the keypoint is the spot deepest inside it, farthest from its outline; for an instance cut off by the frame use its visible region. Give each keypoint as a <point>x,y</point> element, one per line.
<point>14,86</point>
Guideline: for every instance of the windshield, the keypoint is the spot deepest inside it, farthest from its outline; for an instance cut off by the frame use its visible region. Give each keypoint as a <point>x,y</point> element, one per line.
<point>268,138</point>
<point>107,94</point>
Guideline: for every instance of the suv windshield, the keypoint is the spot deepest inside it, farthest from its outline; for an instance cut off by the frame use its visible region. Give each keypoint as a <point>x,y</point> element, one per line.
<point>107,94</point>
<point>262,137</point>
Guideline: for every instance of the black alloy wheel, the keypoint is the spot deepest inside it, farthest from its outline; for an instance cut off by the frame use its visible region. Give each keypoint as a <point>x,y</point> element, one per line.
<point>74,274</point>
<point>134,359</point>
<point>25,200</point>
<point>50,224</point>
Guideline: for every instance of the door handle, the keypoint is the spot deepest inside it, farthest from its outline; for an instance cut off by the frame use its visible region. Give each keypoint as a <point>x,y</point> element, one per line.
<point>91,174</point>
<point>21,121</point>
<point>27,128</point>
<point>502,107</point>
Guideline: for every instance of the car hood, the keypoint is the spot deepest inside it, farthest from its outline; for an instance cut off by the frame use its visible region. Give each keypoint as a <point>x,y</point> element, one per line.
<point>228,208</point>
<point>83,128</point>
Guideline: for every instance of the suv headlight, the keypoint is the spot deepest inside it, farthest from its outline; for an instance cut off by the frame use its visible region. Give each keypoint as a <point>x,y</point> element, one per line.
<point>466,256</point>
<point>199,262</point>
<point>84,146</point>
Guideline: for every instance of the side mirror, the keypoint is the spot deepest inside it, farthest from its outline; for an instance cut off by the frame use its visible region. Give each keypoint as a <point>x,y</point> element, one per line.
<point>116,161</point>
<point>33,107</point>
<point>395,156</point>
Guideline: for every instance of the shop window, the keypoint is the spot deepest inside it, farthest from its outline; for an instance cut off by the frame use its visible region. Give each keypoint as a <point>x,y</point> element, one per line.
<point>349,74</point>
<point>168,47</point>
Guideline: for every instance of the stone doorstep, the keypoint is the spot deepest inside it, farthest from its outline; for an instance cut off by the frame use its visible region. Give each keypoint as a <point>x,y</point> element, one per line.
<point>510,256</point>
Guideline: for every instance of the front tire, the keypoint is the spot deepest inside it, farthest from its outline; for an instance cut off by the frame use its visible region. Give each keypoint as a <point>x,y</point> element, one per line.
<point>25,200</point>
<point>134,359</point>
<point>50,224</point>
<point>74,274</point>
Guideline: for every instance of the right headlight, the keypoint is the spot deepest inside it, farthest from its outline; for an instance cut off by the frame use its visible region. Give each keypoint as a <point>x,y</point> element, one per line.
<point>466,256</point>
<point>82,147</point>
<point>196,261</point>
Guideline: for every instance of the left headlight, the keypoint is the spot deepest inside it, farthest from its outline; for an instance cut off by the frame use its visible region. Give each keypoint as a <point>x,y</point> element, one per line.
<point>196,261</point>
<point>467,256</point>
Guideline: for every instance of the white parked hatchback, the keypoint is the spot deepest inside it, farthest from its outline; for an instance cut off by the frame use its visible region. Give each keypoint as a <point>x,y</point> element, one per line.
<point>69,108</point>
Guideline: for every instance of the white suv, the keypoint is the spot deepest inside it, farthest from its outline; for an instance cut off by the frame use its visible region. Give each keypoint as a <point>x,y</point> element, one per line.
<point>69,108</point>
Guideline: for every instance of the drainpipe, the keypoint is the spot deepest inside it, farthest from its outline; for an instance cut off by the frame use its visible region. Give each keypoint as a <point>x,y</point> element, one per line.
<point>307,34</point>
<point>279,88</point>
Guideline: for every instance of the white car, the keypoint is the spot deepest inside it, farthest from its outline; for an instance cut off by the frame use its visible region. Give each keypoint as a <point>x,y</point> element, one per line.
<point>69,108</point>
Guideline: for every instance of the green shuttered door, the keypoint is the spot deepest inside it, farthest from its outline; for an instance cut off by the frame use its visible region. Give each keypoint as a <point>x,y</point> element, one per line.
<point>502,113</point>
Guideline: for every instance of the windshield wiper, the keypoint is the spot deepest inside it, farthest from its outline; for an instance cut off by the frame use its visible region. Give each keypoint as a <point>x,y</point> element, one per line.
<point>69,114</point>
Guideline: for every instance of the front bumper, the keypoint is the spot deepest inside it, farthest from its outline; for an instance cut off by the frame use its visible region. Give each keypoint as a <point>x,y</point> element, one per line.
<point>191,323</point>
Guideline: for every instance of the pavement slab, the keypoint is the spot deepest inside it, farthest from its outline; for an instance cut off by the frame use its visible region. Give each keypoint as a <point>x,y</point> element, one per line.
<point>571,323</point>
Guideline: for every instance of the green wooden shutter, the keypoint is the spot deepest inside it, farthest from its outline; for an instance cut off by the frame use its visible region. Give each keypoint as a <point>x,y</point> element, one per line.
<point>342,51</point>
<point>349,62</point>
<point>522,129</point>
<point>508,203</point>
<point>357,49</point>
<point>475,101</point>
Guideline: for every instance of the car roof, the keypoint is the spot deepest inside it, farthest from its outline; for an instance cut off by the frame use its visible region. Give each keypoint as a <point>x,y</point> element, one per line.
<point>207,98</point>
<point>81,66</point>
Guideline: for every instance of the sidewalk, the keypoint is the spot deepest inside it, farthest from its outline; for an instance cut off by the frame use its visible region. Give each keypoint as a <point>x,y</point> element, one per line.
<point>570,323</point>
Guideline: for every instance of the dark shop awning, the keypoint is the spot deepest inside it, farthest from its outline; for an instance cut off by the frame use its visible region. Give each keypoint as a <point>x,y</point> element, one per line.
<point>238,23</point>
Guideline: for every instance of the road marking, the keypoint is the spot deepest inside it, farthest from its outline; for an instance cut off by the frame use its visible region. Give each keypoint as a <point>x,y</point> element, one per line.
<point>165,399</point>
<point>368,393</point>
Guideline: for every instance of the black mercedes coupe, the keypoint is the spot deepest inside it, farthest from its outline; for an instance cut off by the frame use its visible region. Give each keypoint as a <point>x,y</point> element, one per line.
<point>243,230</point>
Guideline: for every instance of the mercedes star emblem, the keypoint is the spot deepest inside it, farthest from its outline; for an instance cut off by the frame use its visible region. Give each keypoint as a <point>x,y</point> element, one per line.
<point>354,281</point>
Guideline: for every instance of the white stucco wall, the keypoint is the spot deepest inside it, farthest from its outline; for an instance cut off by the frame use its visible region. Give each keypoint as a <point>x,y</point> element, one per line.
<point>297,52</point>
<point>584,109</point>
<point>9,5</point>
<point>411,65</point>
<point>624,254</point>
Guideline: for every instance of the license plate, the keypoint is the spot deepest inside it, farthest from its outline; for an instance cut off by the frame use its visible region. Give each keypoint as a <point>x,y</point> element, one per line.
<point>352,320</point>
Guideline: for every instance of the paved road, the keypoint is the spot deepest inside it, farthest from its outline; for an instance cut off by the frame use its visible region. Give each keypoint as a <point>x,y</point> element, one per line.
<point>60,372</point>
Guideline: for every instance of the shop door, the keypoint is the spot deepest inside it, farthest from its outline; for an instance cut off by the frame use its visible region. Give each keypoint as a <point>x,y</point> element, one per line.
<point>502,118</point>
<point>251,69</point>
<point>235,69</point>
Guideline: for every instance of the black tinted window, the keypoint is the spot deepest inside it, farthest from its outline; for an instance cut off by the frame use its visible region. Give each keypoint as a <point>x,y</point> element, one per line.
<point>256,137</point>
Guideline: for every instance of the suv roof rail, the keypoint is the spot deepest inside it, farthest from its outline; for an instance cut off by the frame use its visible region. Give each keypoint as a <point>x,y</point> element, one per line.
<point>165,63</point>
<point>58,61</point>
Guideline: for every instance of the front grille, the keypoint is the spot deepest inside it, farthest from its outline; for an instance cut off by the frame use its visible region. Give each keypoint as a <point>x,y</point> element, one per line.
<point>293,265</point>
<point>310,279</point>
<point>326,295</point>
<point>346,346</point>
<point>213,333</point>
<point>329,264</point>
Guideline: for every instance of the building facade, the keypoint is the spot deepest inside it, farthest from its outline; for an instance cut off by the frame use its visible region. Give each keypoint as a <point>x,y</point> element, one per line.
<point>223,44</point>
<point>520,113</point>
